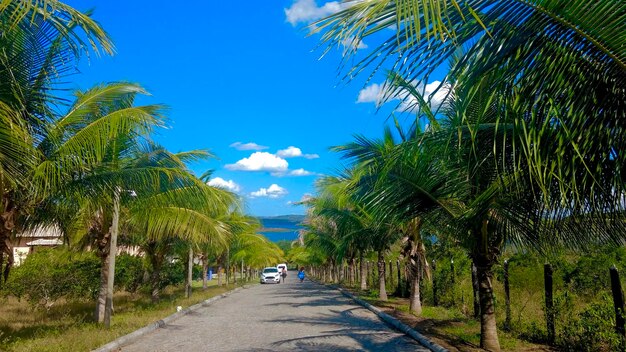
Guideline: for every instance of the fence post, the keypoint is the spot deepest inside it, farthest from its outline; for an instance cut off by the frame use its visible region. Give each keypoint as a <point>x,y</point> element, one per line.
<point>434,273</point>
<point>507,296</point>
<point>548,285</point>
<point>618,302</point>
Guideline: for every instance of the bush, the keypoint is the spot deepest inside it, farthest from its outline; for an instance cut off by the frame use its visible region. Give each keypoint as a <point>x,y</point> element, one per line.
<point>590,273</point>
<point>173,273</point>
<point>593,329</point>
<point>50,274</point>
<point>129,272</point>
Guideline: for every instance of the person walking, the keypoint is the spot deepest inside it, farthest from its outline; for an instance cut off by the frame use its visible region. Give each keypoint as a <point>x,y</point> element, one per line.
<point>301,274</point>
<point>283,274</point>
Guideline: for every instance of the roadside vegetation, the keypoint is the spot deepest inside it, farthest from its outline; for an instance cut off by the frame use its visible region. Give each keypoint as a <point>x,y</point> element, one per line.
<point>519,159</point>
<point>47,303</point>
<point>84,164</point>
<point>515,155</point>
<point>68,325</point>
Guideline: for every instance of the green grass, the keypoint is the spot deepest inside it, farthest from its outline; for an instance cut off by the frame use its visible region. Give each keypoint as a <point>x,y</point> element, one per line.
<point>440,313</point>
<point>68,326</point>
<point>460,330</point>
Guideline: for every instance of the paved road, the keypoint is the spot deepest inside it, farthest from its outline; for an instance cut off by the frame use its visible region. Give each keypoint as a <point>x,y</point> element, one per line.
<point>292,316</point>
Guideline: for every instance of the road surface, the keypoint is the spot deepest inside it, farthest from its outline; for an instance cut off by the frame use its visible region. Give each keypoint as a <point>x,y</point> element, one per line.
<point>292,316</point>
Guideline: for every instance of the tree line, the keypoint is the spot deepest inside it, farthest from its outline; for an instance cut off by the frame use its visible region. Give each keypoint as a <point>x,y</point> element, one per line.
<point>87,165</point>
<point>524,152</point>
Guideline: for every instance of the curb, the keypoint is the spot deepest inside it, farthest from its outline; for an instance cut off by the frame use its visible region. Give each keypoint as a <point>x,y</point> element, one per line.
<point>126,339</point>
<point>395,323</point>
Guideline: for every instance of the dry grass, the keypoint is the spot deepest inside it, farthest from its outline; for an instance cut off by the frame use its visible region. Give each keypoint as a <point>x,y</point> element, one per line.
<point>68,326</point>
<point>450,328</point>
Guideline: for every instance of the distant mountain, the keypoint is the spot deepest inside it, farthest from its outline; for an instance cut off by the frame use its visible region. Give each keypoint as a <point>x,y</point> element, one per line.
<point>290,218</point>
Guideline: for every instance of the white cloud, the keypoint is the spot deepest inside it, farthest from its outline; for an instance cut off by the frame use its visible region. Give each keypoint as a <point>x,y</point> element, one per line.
<point>375,94</point>
<point>290,152</point>
<point>307,11</point>
<point>260,161</point>
<point>296,173</point>
<point>436,99</point>
<point>352,44</point>
<point>371,94</point>
<point>273,191</point>
<point>300,172</point>
<point>247,146</point>
<point>294,152</point>
<point>221,183</point>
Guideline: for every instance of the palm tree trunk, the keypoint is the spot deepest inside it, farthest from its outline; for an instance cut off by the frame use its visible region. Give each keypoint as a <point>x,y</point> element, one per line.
<point>8,249</point>
<point>475,292</point>
<point>351,272</point>
<point>417,256</point>
<point>363,272</point>
<point>7,225</point>
<point>329,268</point>
<point>189,273</point>
<point>1,264</point>
<point>415,302</point>
<point>108,310</point>
<point>382,290</point>
<point>102,294</point>
<point>205,271</point>
<point>156,258</point>
<point>9,264</point>
<point>488,328</point>
<point>155,282</point>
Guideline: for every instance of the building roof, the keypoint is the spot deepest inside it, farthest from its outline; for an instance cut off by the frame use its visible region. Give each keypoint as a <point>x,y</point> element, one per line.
<point>48,231</point>
<point>45,242</point>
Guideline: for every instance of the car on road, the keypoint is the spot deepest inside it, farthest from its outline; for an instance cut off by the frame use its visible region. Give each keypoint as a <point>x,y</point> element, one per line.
<point>270,275</point>
<point>281,267</point>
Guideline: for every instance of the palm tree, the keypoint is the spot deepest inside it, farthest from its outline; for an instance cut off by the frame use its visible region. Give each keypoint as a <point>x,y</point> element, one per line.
<point>494,202</point>
<point>555,72</point>
<point>120,170</point>
<point>569,79</point>
<point>385,170</point>
<point>348,222</point>
<point>40,44</point>
<point>88,163</point>
<point>186,209</point>
<point>255,250</point>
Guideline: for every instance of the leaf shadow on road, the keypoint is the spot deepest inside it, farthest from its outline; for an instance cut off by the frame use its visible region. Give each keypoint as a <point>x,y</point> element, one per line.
<point>345,328</point>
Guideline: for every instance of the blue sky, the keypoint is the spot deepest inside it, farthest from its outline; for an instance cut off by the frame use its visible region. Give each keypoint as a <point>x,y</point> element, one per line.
<point>243,80</point>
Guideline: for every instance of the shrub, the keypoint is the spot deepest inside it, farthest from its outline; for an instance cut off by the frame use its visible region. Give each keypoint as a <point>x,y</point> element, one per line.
<point>49,274</point>
<point>593,329</point>
<point>129,272</point>
<point>172,273</point>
